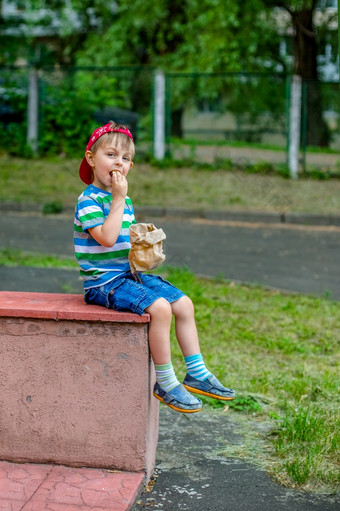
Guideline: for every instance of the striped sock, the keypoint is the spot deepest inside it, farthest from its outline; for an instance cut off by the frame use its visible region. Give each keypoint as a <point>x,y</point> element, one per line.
<point>166,377</point>
<point>196,367</point>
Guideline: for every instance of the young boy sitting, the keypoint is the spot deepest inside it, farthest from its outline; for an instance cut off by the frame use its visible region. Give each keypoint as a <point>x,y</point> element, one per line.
<point>102,220</point>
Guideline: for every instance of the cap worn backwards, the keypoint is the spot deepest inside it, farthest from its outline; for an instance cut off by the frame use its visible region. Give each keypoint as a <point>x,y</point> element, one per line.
<point>85,171</point>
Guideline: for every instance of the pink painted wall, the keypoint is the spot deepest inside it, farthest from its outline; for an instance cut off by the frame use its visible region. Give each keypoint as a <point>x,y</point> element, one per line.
<point>77,392</point>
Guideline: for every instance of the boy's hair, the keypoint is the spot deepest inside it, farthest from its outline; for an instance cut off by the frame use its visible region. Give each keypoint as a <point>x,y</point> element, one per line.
<point>106,134</point>
<point>112,136</point>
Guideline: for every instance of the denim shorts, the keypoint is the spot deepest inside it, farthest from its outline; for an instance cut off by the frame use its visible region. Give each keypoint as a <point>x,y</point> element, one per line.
<point>132,293</point>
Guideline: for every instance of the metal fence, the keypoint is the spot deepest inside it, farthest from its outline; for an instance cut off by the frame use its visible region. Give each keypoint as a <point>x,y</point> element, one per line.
<point>246,117</point>
<point>243,107</point>
<point>216,111</point>
<point>206,115</point>
<point>71,102</point>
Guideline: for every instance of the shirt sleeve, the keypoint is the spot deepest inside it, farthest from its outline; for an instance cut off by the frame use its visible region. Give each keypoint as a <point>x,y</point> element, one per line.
<point>90,213</point>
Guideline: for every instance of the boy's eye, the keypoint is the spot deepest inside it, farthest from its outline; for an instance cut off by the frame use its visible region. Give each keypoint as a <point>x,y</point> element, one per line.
<point>126,158</point>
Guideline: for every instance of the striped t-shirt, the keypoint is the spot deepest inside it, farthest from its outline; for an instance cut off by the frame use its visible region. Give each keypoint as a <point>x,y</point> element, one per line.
<point>100,264</point>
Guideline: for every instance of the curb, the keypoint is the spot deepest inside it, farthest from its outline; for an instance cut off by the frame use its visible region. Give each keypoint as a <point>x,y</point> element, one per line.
<point>241,216</point>
<point>231,216</point>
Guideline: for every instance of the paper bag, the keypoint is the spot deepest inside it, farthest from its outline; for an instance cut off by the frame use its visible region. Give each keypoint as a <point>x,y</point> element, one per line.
<point>146,251</point>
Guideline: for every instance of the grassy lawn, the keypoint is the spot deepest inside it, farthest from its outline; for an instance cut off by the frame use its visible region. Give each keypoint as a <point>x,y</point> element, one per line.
<point>12,257</point>
<point>55,180</point>
<point>280,352</point>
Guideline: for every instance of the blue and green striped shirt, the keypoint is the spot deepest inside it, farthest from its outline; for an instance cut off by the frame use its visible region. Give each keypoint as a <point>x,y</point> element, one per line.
<point>100,264</point>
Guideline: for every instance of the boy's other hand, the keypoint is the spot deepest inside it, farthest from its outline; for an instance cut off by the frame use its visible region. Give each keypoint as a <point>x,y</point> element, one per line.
<point>119,184</point>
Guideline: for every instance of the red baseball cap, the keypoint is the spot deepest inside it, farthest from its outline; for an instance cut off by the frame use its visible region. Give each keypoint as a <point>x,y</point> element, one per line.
<point>85,171</point>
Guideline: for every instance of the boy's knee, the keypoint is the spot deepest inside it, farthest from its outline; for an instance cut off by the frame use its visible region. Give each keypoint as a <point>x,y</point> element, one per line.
<point>183,306</point>
<point>160,307</point>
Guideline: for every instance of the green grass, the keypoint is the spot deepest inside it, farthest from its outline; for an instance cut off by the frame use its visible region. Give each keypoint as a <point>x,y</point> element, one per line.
<point>54,183</point>
<point>280,352</point>
<point>13,257</point>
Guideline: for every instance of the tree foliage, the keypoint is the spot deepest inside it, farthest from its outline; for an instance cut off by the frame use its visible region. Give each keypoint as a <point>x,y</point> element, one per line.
<point>186,36</point>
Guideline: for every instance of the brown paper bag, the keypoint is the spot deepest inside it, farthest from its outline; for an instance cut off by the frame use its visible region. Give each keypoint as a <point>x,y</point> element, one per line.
<point>146,247</point>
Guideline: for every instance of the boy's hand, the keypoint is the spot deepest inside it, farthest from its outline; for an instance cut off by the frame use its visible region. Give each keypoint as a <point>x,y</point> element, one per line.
<point>107,233</point>
<point>119,184</point>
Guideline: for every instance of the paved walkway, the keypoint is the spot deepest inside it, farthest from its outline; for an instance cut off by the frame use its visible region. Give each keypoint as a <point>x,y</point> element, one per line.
<point>28,487</point>
<point>247,248</point>
<point>242,155</point>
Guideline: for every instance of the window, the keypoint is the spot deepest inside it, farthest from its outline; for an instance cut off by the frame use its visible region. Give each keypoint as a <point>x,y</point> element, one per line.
<point>326,4</point>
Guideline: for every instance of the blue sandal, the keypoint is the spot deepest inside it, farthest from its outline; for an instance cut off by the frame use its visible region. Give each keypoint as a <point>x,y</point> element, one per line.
<point>210,387</point>
<point>178,398</point>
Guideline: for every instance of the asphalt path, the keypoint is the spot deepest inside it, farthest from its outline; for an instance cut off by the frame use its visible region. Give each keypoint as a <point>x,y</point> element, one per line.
<point>193,474</point>
<point>303,259</point>
<point>289,257</point>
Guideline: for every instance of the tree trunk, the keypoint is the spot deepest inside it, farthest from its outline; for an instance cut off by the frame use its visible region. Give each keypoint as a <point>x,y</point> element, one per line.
<point>305,65</point>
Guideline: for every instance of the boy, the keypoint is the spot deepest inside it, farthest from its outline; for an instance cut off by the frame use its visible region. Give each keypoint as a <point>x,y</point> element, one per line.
<point>103,216</point>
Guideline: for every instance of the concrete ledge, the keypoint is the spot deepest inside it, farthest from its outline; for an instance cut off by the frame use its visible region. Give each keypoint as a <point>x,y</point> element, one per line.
<point>274,217</point>
<point>60,306</point>
<point>244,216</point>
<point>145,212</point>
<point>311,219</point>
<point>75,384</point>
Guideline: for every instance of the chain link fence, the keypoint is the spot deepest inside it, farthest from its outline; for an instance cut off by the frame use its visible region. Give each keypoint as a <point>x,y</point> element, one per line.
<point>71,103</point>
<point>244,117</point>
<point>208,117</point>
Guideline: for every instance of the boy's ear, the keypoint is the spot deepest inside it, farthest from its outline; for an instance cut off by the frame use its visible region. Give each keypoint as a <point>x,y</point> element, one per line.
<point>89,158</point>
<point>131,165</point>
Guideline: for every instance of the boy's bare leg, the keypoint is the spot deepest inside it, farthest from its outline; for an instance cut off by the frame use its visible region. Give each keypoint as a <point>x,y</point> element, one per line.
<point>159,331</point>
<point>167,388</point>
<point>198,379</point>
<point>186,331</point>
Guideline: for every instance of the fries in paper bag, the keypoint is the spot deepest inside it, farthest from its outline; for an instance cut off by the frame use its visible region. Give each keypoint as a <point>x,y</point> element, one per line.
<point>146,251</point>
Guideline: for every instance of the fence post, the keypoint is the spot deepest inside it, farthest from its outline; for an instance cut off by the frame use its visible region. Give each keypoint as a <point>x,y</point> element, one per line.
<point>339,37</point>
<point>304,113</point>
<point>294,126</point>
<point>159,118</point>
<point>32,110</point>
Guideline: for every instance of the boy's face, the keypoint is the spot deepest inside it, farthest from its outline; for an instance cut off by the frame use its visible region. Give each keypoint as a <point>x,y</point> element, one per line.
<point>109,158</point>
